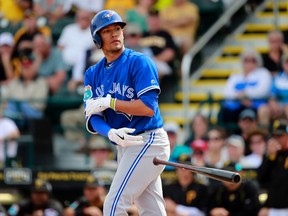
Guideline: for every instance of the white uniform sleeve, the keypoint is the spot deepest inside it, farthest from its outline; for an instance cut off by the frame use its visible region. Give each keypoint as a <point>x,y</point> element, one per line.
<point>230,91</point>
<point>189,211</point>
<point>263,87</point>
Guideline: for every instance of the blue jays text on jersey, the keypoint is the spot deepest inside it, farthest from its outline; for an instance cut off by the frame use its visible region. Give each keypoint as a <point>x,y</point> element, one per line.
<point>127,78</point>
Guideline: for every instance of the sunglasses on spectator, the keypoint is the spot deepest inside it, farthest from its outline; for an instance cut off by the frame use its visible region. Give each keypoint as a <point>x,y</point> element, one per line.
<point>250,60</point>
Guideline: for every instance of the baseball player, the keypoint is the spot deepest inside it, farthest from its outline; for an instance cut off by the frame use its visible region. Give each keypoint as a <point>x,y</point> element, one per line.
<point>121,103</point>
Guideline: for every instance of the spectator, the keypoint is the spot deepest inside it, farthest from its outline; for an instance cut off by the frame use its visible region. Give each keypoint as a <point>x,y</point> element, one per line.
<point>185,197</point>
<point>93,6</point>
<point>235,147</point>
<point>273,172</point>
<point>247,123</point>
<point>133,36</point>
<point>172,128</point>
<point>102,153</point>
<point>91,203</point>
<point>257,142</point>
<point>13,11</point>
<point>26,96</point>
<point>69,41</point>
<point>2,211</point>
<point>52,11</point>
<point>9,133</point>
<point>199,148</point>
<point>49,63</point>
<point>277,106</point>
<point>160,44</point>
<point>181,20</point>
<point>246,90</point>
<point>139,13</point>
<point>30,28</point>
<point>6,49</point>
<point>236,199</point>
<point>199,128</point>
<point>272,59</point>
<point>40,202</point>
<point>216,153</point>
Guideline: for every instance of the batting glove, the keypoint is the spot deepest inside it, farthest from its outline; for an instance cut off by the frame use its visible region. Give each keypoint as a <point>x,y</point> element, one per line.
<point>96,105</point>
<point>121,137</point>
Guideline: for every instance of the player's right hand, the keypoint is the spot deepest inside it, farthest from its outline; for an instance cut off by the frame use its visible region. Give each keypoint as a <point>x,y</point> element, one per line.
<point>121,137</point>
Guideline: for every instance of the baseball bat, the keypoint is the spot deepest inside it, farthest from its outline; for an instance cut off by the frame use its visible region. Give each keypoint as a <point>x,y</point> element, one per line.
<point>218,174</point>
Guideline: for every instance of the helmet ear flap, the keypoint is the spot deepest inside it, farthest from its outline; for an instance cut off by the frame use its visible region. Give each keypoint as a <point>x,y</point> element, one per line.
<point>97,40</point>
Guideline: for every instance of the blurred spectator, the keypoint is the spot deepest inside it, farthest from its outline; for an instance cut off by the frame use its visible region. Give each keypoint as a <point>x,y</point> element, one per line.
<point>247,123</point>
<point>257,143</point>
<point>13,11</point>
<point>49,63</point>
<point>102,153</point>
<point>6,49</point>
<point>160,4</point>
<point>120,6</point>
<point>39,203</point>
<point>30,28</point>
<point>91,203</point>
<point>199,128</point>
<point>172,129</point>
<point>235,147</point>
<point>88,5</point>
<point>139,13</point>
<point>273,171</point>
<point>133,36</point>
<point>51,10</point>
<point>216,153</point>
<point>75,38</point>
<point>246,90</point>
<point>185,197</point>
<point>181,21</point>
<point>234,199</point>
<point>26,95</point>
<point>199,148</point>
<point>272,59</point>
<point>277,106</point>
<point>9,133</point>
<point>160,44</point>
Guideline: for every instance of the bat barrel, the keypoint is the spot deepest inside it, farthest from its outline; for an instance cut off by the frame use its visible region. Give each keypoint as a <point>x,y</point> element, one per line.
<point>218,174</point>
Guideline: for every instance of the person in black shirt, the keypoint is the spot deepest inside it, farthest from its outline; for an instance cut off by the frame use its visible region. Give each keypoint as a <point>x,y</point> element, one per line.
<point>272,59</point>
<point>186,196</point>
<point>40,203</point>
<point>273,172</point>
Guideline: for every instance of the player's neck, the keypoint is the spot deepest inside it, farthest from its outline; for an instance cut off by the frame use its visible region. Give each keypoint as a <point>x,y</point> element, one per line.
<point>112,55</point>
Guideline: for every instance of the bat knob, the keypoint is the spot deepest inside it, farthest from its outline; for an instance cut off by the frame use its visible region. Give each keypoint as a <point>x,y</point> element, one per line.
<point>155,161</point>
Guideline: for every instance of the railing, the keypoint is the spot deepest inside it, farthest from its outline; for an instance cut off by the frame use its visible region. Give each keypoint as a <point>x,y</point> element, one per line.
<point>188,57</point>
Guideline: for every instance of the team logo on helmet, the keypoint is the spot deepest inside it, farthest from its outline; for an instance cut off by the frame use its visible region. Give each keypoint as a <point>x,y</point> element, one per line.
<point>108,15</point>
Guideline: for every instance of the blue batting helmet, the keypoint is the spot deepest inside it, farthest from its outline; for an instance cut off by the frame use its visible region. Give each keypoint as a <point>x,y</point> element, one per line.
<point>101,20</point>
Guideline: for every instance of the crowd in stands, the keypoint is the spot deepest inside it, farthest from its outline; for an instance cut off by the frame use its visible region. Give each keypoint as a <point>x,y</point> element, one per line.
<point>45,47</point>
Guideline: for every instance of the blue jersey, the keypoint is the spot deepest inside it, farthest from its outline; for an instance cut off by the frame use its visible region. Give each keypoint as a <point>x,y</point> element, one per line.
<point>280,87</point>
<point>127,78</point>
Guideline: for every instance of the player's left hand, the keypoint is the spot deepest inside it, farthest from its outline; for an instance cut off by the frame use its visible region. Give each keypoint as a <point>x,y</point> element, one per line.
<point>96,105</point>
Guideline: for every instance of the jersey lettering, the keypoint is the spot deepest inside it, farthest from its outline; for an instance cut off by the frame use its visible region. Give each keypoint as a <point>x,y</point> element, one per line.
<point>100,91</point>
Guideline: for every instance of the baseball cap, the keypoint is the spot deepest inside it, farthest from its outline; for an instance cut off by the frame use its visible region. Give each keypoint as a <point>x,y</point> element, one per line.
<point>40,185</point>
<point>247,113</point>
<point>280,127</point>
<point>92,182</point>
<point>199,145</point>
<point>99,143</point>
<point>6,38</point>
<point>171,127</point>
<point>133,29</point>
<point>184,159</point>
<point>235,140</point>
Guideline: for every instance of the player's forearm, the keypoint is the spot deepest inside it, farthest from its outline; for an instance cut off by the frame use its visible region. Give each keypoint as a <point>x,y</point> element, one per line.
<point>136,108</point>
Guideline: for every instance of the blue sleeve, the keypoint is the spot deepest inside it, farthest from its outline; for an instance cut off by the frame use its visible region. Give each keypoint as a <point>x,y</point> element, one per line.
<point>99,125</point>
<point>150,99</point>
